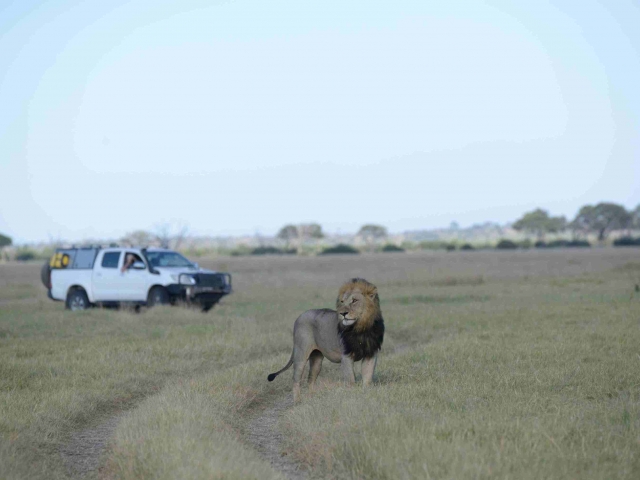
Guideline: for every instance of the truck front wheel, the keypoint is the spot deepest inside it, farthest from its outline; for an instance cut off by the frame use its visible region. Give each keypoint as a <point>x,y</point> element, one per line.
<point>206,306</point>
<point>77,300</point>
<point>158,296</point>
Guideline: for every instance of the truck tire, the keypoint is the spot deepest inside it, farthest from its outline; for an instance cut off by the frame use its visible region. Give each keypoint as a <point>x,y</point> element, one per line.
<point>77,300</point>
<point>157,296</point>
<point>45,275</point>
<point>206,306</point>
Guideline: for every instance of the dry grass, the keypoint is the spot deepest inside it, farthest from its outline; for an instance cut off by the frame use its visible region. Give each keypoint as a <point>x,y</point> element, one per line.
<point>521,392</point>
<point>495,364</point>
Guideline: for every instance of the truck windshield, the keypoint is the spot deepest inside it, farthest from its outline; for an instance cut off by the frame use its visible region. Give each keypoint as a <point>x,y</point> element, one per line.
<point>168,259</point>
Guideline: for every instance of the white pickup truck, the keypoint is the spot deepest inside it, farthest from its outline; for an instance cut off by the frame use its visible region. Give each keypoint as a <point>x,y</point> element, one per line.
<point>83,277</point>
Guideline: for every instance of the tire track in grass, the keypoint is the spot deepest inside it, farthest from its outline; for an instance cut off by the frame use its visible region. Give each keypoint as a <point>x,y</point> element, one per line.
<point>261,432</point>
<point>83,452</point>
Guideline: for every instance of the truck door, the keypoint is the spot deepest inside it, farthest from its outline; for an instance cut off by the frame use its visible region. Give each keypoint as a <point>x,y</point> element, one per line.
<point>134,281</point>
<point>106,276</point>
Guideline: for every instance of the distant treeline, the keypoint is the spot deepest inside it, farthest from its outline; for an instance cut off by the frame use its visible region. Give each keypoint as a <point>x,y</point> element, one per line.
<point>592,225</point>
<point>504,244</point>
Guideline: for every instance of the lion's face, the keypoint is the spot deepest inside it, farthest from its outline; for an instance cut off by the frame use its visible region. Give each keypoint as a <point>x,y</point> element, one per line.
<point>358,304</point>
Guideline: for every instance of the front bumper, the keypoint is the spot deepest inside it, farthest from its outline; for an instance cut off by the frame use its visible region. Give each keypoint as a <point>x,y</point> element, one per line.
<point>200,293</point>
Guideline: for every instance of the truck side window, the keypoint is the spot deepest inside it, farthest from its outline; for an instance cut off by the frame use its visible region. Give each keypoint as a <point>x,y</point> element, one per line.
<point>110,260</point>
<point>85,258</point>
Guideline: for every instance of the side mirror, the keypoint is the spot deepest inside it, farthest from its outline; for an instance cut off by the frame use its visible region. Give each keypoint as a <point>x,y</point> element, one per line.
<point>138,266</point>
<point>196,265</point>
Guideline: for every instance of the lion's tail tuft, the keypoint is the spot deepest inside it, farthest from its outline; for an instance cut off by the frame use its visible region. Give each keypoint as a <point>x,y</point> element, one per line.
<point>272,376</point>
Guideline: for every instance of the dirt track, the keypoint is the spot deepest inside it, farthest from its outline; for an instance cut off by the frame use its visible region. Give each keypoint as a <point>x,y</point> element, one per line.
<point>84,450</point>
<point>263,434</point>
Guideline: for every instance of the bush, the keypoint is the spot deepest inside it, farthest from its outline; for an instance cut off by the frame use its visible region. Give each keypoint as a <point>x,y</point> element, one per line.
<point>506,245</point>
<point>450,247</point>
<point>626,242</point>
<point>240,251</point>
<point>525,243</point>
<point>563,244</point>
<point>540,244</point>
<point>272,251</point>
<point>558,244</point>
<point>409,245</point>
<point>25,254</point>
<point>578,244</point>
<point>390,247</point>
<point>467,246</point>
<point>432,245</point>
<point>340,248</point>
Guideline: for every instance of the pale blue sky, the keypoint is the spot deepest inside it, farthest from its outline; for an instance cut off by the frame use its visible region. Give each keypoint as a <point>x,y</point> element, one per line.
<point>238,117</point>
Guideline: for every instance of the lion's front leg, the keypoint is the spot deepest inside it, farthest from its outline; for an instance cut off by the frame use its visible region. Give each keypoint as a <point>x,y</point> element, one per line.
<point>346,365</point>
<point>368,367</point>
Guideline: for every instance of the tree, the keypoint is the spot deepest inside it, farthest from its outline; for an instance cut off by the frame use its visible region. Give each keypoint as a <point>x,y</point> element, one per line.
<point>310,230</point>
<point>300,233</point>
<point>169,237</point>
<point>5,241</point>
<point>601,219</point>
<point>288,233</point>
<point>372,231</point>
<point>538,222</point>
<point>635,218</point>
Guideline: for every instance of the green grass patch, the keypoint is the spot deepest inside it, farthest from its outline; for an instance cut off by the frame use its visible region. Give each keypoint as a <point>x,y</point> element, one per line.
<point>407,300</point>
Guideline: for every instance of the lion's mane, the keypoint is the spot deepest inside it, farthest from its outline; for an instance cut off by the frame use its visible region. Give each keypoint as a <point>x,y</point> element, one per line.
<point>364,338</point>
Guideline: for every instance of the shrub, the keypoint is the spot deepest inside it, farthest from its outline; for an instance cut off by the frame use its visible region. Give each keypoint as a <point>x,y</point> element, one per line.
<point>558,244</point>
<point>525,243</point>
<point>450,247</point>
<point>467,246</point>
<point>564,244</point>
<point>340,248</point>
<point>626,242</point>
<point>578,244</point>
<point>25,254</point>
<point>390,247</point>
<point>408,245</point>
<point>240,251</point>
<point>432,245</point>
<point>272,251</point>
<point>506,245</point>
<point>540,244</point>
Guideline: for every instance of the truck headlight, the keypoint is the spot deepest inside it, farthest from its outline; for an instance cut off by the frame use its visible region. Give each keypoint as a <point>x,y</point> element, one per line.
<point>187,280</point>
<point>183,279</point>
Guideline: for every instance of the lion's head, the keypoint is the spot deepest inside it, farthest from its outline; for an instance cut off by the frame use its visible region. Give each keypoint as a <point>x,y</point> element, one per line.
<point>358,304</point>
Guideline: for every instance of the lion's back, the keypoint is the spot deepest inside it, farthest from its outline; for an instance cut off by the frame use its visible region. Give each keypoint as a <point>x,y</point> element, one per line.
<point>316,319</point>
<point>319,327</point>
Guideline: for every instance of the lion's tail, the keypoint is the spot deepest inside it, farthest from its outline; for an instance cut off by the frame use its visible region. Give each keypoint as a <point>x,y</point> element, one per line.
<point>272,376</point>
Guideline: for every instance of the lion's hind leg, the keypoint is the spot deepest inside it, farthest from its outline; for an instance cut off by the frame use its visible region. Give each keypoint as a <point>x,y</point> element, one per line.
<point>315,365</point>
<point>300,358</point>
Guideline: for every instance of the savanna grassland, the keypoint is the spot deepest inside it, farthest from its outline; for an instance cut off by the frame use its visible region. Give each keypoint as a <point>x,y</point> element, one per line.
<point>514,365</point>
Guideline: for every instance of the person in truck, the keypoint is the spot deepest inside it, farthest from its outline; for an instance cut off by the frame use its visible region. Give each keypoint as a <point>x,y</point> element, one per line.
<point>129,260</point>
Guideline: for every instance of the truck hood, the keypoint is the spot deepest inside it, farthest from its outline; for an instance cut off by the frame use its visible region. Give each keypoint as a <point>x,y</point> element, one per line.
<point>179,270</point>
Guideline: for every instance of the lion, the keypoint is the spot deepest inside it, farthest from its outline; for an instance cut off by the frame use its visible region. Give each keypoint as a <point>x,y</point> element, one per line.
<point>352,332</point>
